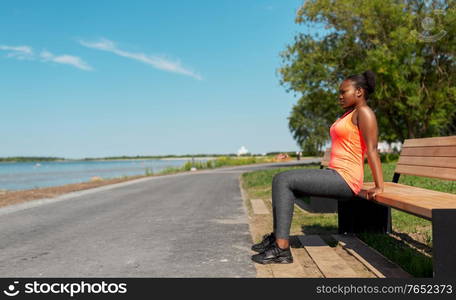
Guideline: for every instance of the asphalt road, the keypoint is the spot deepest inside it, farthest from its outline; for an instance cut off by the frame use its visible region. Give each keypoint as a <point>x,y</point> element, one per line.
<point>184,225</point>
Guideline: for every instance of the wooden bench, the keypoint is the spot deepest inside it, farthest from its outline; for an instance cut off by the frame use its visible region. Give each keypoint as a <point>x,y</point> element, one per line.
<point>326,158</point>
<point>433,157</point>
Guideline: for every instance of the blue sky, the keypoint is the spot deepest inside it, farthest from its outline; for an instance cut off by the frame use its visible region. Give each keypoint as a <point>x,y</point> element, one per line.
<point>104,78</point>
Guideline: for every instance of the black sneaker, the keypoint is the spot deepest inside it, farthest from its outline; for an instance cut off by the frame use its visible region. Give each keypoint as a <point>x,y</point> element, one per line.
<point>274,255</point>
<point>268,240</point>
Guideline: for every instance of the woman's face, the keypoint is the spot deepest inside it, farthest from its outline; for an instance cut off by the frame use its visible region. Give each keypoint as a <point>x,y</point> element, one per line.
<point>348,94</point>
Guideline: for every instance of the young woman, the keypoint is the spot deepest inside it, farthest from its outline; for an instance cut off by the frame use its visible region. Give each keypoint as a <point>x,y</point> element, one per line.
<point>353,135</point>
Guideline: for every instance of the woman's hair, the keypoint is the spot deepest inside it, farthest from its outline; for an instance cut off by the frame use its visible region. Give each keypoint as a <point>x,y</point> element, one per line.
<point>365,81</point>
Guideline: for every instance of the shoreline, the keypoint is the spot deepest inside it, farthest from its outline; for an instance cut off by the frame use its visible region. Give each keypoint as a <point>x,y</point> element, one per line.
<point>120,159</point>
<point>8,197</point>
<point>189,158</point>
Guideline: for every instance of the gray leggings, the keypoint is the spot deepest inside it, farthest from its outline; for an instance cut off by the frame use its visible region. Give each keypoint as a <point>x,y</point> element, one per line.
<point>315,182</point>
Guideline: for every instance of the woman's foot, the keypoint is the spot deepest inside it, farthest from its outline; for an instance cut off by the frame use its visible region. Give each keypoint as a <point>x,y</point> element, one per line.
<point>267,241</point>
<point>274,255</point>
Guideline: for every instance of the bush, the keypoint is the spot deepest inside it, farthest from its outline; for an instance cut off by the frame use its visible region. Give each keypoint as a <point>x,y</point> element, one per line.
<point>389,157</point>
<point>149,172</point>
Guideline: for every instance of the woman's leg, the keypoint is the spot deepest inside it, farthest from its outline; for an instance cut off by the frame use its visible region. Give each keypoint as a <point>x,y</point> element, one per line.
<point>315,182</point>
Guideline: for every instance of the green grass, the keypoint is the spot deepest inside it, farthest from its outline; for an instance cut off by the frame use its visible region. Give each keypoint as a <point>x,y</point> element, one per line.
<point>217,163</point>
<point>409,259</point>
<point>221,161</point>
<point>149,172</point>
<point>416,233</point>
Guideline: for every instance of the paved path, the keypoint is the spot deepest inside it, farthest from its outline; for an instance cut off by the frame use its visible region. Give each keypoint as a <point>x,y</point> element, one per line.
<point>191,224</point>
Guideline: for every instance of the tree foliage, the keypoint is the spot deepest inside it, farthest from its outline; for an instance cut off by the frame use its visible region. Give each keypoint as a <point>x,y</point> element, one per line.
<point>416,79</point>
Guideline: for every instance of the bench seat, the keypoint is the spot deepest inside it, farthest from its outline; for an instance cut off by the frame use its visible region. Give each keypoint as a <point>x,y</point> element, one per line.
<point>415,200</point>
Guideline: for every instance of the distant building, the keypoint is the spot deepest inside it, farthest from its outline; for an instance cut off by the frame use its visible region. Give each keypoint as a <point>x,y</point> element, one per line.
<point>242,151</point>
<point>383,146</point>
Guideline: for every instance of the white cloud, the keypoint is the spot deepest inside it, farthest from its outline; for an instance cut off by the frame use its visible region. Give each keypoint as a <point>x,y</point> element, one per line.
<point>26,52</point>
<point>155,61</point>
<point>66,59</point>
<point>18,52</point>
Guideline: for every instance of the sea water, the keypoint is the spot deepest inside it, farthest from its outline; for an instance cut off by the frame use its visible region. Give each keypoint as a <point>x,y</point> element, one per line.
<point>29,175</point>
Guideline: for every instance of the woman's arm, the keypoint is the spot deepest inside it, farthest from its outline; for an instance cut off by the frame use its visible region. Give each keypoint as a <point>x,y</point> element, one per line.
<point>367,123</point>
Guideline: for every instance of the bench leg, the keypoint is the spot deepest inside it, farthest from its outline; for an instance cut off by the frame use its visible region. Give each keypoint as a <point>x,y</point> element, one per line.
<point>444,243</point>
<point>359,215</point>
<point>323,205</point>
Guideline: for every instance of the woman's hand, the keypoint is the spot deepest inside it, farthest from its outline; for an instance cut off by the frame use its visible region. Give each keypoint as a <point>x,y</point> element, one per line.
<point>372,192</point>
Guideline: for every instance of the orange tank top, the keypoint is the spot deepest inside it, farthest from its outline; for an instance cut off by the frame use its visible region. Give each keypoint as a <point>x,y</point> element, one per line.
<point>347,151</point>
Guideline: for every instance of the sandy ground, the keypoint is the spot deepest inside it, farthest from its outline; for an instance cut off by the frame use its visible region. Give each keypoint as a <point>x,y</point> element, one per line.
<point>14,197</point>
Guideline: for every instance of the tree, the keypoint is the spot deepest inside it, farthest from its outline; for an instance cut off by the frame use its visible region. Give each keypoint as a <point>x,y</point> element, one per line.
<point>416,76</point>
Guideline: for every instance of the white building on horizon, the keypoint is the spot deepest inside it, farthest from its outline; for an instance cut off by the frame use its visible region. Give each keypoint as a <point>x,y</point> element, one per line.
<point>382,146</point>
<point>242,151</point>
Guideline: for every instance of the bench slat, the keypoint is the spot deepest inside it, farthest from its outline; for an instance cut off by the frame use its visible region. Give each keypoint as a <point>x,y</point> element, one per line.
<point>447,162</point>
<point>416,200</point>
<point>434,172</point>
<point>448,151</point>
<point>433,157</point>
<point>431,141</point>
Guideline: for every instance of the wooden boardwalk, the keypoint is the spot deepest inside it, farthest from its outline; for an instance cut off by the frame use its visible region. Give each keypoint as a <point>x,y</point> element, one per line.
<point>314,258</point>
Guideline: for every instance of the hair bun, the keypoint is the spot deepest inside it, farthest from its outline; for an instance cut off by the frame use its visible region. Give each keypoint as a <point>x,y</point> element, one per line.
<point>370,80</point>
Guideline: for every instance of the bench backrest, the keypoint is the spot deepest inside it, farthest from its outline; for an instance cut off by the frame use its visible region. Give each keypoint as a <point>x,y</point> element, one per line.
<point>326,157</point>
<point>429,157</point>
